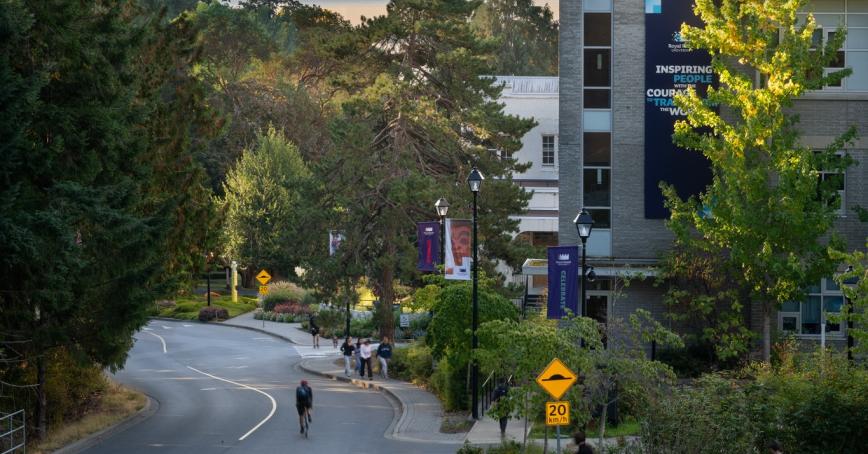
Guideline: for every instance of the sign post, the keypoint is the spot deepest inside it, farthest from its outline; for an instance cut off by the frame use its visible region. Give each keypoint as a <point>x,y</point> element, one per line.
<point>556,379</point>
<point>263,277</point>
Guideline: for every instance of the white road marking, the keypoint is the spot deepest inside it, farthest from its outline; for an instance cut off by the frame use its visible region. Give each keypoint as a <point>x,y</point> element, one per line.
<point>167,327</point>
<point>161,340</point>
<point>236,367</point>
<point>146,329</point>
<point>309,352</point>
<point>273,402</point>
<point>208,389</point>
<point>187,326</point>
<point>263,338</point>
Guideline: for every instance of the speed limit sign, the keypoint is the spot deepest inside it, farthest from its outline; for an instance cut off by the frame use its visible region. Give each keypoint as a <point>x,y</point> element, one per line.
<point>558,413</point>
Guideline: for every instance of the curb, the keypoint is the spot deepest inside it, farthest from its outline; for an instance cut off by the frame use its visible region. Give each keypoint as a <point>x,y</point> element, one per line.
<point>251,328</point>
<point>95,438</point>
<point>396,422</point>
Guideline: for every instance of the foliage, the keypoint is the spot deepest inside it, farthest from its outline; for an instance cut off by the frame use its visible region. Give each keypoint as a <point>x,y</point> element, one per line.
<point>282,292</point>
<point>208,313</point>
<point>448,331</point>
<point>417,113</point>
<point>704,295</point>
<point>187,308</point>
<point>810,402</point>
<point>526,36</point>
<point>264,193</point>
<point>762,209</point>
<point>332,322</point>
<point>413,363</point>
<point>854,284</point>
<point>96,115</point>
<point>362,327</point>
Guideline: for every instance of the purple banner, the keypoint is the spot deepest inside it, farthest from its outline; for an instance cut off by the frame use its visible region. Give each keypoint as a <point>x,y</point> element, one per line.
<point>563,268</point>
<point>428,234</point>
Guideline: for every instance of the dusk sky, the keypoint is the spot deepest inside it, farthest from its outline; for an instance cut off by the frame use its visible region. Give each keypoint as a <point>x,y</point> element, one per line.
<point>354,9</point>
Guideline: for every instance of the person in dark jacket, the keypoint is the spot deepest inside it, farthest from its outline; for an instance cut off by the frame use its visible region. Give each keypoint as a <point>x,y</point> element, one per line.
<point>384,354</point>
<point>499,393</point>
<point>303,403</point>
<point>347,349</point>
<point>314,331</point>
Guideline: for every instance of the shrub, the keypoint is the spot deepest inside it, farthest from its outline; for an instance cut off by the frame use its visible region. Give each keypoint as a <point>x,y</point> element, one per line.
<point>449,382</point>
<point>281,292</point>
<point>291,308</point>
<point>413,363</point>
<point>331,321</point>
<point>208,313</point>
<point>362,327</point>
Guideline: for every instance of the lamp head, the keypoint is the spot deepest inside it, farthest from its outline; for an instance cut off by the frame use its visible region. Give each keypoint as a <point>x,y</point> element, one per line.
<point>474,180</point>
<point>584,224</point>
<point>442,207</point>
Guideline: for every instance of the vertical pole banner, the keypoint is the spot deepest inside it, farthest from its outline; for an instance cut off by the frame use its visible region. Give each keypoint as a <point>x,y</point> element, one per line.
<point>563,265</point>
<point>335,240</point>
<point>671,67</point>
<point>428,235</point>
<point>459,249</point>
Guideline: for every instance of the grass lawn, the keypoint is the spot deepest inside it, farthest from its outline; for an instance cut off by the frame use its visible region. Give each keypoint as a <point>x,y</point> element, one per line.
<point>187,307</point>
<point>115,405</point>
<point>628,428</point>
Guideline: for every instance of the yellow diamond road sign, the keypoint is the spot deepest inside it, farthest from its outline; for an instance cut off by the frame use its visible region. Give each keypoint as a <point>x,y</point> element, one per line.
<point>556,378</point>
<point>263,277</point>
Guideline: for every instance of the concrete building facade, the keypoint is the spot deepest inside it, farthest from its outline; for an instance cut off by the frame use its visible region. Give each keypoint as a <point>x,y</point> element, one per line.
<point>602,152</point>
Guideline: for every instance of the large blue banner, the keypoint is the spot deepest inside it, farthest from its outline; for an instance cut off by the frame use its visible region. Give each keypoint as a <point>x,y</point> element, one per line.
<point>670,67</point>
<point>563,267</point>
<point>428,234</point>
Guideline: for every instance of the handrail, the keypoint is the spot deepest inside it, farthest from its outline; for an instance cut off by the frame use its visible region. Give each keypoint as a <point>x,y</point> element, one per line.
<point>8,439</point>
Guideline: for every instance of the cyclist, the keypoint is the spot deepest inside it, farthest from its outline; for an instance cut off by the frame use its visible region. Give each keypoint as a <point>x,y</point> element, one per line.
<point>303,403</point>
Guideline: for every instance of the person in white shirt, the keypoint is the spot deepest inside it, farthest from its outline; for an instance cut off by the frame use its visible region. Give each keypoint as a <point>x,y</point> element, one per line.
<point>365,354</point>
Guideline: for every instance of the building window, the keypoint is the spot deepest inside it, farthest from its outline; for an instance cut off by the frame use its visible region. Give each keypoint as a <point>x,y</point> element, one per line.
<point>854,54</point>
<point>597,146</point>
<point>832,182</point>
<point>548,150</point>
<point>822,303</point>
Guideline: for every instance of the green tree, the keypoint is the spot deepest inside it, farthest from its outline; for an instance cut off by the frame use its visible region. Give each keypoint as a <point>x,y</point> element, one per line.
<point>854,284</point>
<point>90,195</point>
<point>264,205</point>
<point>526,36</point>
<point>767,214</point>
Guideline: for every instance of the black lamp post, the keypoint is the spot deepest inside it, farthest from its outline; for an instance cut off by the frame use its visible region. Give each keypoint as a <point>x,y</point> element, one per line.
<point>442,208</point>
<point>475,181</point>
<point>584,224</point>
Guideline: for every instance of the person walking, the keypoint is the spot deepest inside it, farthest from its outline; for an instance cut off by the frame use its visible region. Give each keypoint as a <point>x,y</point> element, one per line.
<point>303,403</point>
<point>314,331</point>
<point>499,393</point>
<point>359,355</point>
<point>366,359</point>
<point>384,354</point>
<point>581,443</point>
<point>347,349</point>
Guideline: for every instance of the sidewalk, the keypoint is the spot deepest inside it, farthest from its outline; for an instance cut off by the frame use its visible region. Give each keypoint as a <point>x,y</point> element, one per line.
<point>420,412</point>
<point>486,431</point>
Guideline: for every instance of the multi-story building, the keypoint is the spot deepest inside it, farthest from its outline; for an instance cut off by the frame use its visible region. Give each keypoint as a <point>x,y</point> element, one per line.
<point>613,148</point>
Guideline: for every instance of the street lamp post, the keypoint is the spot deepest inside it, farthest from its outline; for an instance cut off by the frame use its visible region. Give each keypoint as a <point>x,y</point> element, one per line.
<point>474,180</point>
<point>442,207</point>
<point>584,224</point>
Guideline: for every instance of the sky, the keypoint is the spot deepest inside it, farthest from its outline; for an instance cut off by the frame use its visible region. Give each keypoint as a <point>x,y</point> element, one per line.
<point>354,9</point>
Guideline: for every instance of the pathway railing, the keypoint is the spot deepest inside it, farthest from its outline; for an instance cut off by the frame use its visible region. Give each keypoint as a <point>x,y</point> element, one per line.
<point>13,433</point>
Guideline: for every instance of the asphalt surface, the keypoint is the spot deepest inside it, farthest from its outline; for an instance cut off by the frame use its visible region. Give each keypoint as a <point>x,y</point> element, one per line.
<point>228,390</point>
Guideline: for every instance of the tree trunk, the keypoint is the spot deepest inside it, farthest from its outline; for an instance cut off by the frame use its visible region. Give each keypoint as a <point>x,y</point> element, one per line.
<point>602,426</point>
<point>41,400</point>
<point>767,333</point>
<point>387,292</point>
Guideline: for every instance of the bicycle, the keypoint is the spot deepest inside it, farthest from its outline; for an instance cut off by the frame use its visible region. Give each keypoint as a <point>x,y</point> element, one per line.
<point>306,423</point>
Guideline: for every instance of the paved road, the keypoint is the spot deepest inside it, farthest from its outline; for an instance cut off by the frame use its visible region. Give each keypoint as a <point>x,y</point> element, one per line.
<point>230,390</point>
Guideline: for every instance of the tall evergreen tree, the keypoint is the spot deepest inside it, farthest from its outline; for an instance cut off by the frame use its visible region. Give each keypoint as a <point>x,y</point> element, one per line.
<point>94,202</point>
<point>526,36</point>
<point>419,116</point>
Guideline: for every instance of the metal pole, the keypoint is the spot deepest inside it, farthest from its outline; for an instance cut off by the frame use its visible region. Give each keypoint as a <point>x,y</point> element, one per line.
<point>474,374</point>
<point>348,313</point>
<point>208,278</point>
<point>442,241</point>
<point>558,437</point>
<point>584,303</point>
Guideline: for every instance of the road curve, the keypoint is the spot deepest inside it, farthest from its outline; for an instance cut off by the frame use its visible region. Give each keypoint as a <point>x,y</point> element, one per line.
<point>229,390</point>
